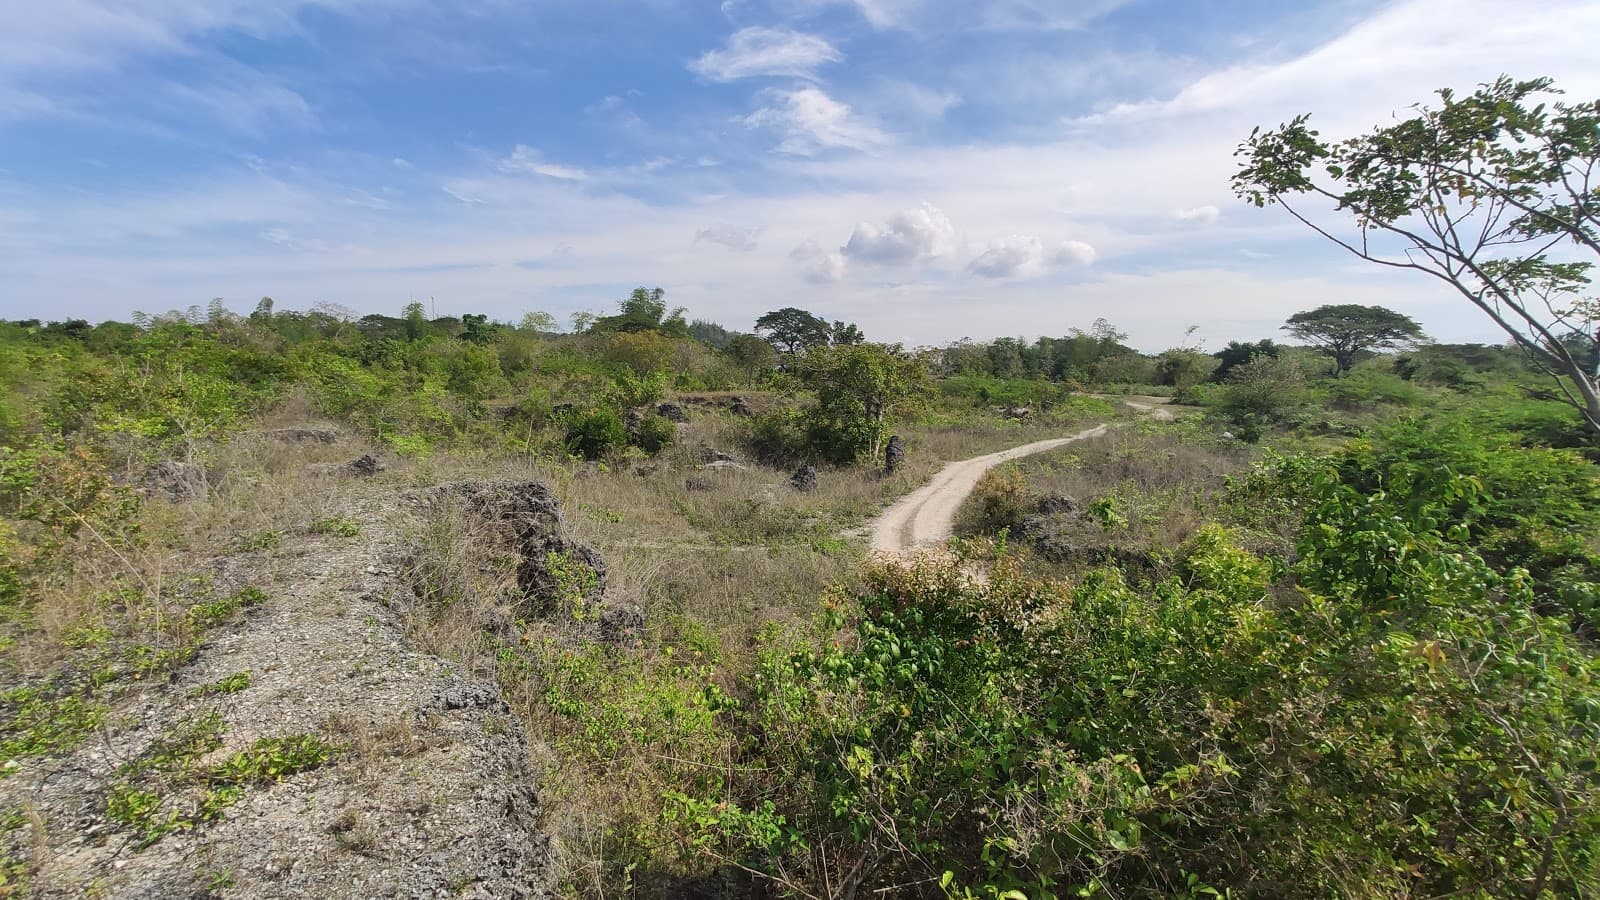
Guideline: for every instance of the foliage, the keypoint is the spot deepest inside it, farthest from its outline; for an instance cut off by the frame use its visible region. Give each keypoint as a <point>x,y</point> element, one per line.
<point>594,432</point>
<point>1259,394</point>
<point>1346,330</point>
<point>1389,716</point>
<point>1238,353</point>
<point>860,389</point>
<point>644,310</point>
<point>1491,193</point>
<point>794,330</point>
<point>999,501</point>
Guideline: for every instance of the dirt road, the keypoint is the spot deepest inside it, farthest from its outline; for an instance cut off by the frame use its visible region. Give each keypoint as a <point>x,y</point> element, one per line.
<point>927,515</point>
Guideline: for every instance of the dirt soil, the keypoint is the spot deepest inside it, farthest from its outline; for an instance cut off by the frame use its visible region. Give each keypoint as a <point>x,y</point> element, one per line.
<point>926,516</point>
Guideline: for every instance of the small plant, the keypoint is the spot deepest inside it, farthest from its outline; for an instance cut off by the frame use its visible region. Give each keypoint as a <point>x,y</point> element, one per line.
<point>35,724</point>
<point>337,526</point>
<point>574,582</point>
<point>231,684</point>
<point>264,540</point>
<point>273,759</point>
<point>209,615</point>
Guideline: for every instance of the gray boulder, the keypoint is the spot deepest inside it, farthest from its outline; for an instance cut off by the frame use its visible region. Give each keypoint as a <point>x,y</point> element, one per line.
<point>804,479</point>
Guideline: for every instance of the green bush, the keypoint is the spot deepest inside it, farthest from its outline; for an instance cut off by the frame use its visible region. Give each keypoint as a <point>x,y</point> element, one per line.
<point>1386,716</point>
<point>592,433</point>
<point>654,434</point>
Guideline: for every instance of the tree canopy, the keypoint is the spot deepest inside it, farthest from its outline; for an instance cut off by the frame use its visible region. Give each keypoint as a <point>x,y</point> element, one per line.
<point>1494,194</point>
<point>794,330</point>
<point>1346,330</point>
<point>644,310</point>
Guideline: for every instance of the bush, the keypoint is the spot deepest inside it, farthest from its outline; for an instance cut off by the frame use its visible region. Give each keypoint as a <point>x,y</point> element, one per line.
<point>1385,717</point>
<point>1259,394</point>
<point>654,434</point>
<point>594,432</point>
<point>1000,500</point>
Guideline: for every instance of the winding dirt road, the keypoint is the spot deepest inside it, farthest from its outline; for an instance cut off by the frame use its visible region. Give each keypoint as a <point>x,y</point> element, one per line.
<point>927,515</point>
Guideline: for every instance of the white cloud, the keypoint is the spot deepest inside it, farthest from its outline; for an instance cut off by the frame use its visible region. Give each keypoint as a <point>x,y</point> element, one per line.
<point>1024,255</point>
<point>730,236</point>
<point>1046,15</point>
<point>911,235</point>
<point>757,51</point>
<point>1204,215</point>
<point>878,13</point>
<point>819,266</point>
<point>402,163</point>
<point>810,120</point>
<point>526,160</point>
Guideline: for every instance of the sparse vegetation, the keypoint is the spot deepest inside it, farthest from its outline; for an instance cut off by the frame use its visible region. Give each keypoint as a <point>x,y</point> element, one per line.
<point>1165,661</point>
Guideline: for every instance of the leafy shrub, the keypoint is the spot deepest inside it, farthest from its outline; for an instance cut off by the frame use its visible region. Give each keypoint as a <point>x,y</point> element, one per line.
<point>594,432</point>
<point>1386,716</point>
<point>1000,500</point>
<point>654,434</point>
<point>1259,394</point>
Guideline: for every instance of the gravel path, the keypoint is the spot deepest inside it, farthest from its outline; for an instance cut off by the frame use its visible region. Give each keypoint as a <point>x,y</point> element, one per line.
<point>927,515</point>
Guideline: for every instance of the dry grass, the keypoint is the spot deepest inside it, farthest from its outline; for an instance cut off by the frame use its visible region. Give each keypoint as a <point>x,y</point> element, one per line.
<point>1148,489</point>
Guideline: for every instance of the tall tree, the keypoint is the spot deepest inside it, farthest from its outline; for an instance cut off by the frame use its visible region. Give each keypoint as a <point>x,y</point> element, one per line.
<point>1346,330</point>
<point>794,330</point>
<point>644,310</point>
<point>1494,194</point>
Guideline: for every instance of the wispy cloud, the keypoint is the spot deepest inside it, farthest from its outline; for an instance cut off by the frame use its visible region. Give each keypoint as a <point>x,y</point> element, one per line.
<point>730,236</point>
<point>525,160</point>
<point>757,51</point>
<point>809,120</point>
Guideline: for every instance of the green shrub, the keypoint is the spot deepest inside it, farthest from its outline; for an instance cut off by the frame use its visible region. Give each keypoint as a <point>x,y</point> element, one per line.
<point>654,434</point>
<point>1387,716</point>
<point>594,432</point>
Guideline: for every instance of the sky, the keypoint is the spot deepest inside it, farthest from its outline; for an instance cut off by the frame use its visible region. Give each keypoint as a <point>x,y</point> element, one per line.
<point>930,169</point>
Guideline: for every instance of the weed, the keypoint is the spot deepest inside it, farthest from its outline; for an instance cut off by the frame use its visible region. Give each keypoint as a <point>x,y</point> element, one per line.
<point>261,540</point>
<point>37,725</point>
<point>273,759</point>
<point>337,526</point>
<point>231,684</point>
<point>209,615</point>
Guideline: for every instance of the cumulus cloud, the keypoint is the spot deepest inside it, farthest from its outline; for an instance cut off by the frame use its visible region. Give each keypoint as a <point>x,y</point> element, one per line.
<point>1023,255</point>
<point>1204,215</point>
<point>730,236</point>
<point>810,120</point>
<point>819,266</point>
<point>753,52</point>
<point>525,160</point>
<point>923,232</point>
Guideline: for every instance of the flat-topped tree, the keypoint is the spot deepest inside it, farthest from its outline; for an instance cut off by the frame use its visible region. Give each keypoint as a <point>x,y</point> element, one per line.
<point>1344,331</point>
<point>1496,194</point>
<point>794,330</point>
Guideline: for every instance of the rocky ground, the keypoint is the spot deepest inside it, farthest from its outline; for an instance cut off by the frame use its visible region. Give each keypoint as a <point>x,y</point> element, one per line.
<point>343,764</point>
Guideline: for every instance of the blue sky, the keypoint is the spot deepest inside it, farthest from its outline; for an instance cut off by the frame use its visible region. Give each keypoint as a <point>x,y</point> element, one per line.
<point>933,169</point>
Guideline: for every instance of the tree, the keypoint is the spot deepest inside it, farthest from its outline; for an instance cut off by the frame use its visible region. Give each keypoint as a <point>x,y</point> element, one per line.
<point>859,388</point>
<point>794,330</point>
<point>477,328</point>
<point>753,354</point>
<point>1492,194</point>
<point>1237,353</point>
<point>841,334</point>
<point>1346,330</point>
<point>644,310</point>
<point>416,321</point>
<point>539,322</point>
